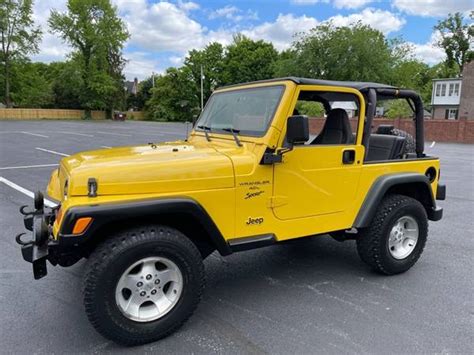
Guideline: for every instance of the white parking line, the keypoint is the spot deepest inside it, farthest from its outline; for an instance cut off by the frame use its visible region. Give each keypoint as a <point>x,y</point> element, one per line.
<point>52,152</point>
<point>74,133</point>
<point>115,134</point>
<point>35,134</point>
<point>27,166</point>
<point>28,193</point>
<point>105,146</point>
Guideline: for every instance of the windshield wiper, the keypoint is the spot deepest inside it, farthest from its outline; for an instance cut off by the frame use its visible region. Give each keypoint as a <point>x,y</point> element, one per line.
<point>234,134</point>
<point>205,129</point>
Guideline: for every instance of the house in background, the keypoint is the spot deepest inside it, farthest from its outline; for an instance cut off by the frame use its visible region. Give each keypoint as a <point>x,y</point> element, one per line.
<point>131,87</point>
<point>454,98</point>
<point>466,106</point>
<point>445,98</point>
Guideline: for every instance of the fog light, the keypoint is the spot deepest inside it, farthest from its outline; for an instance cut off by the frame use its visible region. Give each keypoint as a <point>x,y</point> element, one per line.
<point>81,225</point>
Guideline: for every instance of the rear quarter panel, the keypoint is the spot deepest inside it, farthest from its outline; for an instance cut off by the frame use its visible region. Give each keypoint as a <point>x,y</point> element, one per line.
<point>372,171</point>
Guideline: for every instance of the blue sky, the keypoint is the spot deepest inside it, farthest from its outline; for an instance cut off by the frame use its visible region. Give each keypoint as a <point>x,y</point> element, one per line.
<point>162,32</point>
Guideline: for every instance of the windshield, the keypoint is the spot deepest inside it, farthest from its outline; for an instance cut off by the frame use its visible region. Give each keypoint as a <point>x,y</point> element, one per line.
<point>246,111</point>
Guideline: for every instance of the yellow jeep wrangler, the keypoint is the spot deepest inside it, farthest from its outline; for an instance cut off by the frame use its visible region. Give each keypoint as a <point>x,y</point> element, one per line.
<point>250,174</point>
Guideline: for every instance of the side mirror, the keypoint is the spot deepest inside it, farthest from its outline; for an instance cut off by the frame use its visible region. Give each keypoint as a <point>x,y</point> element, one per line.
<point>297,129</point>
<point>297,132</point>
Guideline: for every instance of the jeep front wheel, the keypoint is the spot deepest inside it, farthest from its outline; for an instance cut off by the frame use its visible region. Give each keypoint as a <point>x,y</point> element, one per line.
<point>142,284</point>
<point>395,239</point>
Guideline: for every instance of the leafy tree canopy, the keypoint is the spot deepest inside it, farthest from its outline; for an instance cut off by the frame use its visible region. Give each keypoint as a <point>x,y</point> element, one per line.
<point>97,34</point>
<point>457,40</point>
<point>18,38</point>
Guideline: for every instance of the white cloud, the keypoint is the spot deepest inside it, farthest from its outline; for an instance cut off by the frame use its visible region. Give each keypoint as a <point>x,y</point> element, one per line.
<point>382,20</point>
<point>428,52</point>
<point>161,26</point>
<point>281,32</point>
<point>233,13</point>
<point>52,48</point>
<point>340,4</point>
<point>227,12</point>
<point>140,66</point>
<point>350,4</point>
<point>176,60</point>
<point>433,7</point>
<point>188,6</point>
<point>308,2</point>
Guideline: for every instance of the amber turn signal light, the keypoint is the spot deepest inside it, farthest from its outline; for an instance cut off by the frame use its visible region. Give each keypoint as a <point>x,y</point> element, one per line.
<point>81,225</point>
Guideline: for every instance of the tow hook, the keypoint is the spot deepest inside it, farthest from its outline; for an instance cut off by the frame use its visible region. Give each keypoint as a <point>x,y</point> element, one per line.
<point>22,242</point>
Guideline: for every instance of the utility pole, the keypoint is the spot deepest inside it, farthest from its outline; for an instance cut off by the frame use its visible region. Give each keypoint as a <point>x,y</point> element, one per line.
<point>153,79</point>
<point>202,89</point>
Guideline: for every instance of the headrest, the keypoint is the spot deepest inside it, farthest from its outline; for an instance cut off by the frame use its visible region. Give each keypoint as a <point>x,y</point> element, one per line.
<point>337,119</point>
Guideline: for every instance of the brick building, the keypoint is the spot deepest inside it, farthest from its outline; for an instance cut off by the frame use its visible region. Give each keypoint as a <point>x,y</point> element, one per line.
<point>453,98</point>
<point>466,105</point>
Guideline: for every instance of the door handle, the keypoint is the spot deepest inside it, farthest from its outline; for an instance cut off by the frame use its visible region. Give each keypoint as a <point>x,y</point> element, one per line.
<point>348,156</point>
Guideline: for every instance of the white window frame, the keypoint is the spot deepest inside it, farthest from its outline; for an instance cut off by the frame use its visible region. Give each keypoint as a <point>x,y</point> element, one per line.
<point>451,89</point>
<point>438,89</point>
<point>456,89</point>
<point>452,113</point>
<point>443,89</point>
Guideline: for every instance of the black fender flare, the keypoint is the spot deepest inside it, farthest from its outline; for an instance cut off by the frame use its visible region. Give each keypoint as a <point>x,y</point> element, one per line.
<point>416,181</point>
<point>103,214</point>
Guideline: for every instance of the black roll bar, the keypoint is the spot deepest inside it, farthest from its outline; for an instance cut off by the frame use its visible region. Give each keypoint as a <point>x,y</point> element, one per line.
<point>370,113</point>
<point>419,114</point>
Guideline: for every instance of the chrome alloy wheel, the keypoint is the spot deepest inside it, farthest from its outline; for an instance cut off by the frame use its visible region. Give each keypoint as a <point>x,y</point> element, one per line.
<point>403,237</point>
<point>149,289</point>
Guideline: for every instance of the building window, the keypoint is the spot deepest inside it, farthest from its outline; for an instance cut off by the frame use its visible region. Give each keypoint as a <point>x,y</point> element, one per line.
<point>451,89</point>
<point>443,89</point>
<point>451,114</point>
<point>456,89</point>
<point>438,89</point>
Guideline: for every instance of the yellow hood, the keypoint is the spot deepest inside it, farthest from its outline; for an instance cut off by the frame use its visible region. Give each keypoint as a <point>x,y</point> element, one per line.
<point>160,168</point>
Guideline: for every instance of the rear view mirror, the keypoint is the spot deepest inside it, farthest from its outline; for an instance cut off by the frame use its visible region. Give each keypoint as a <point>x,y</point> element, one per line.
<point>297,129</point>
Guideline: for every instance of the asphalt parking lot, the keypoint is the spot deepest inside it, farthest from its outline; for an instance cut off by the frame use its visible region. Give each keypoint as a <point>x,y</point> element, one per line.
<point>309,296</point>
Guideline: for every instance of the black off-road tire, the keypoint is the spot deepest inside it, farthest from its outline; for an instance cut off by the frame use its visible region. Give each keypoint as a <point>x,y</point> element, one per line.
<point>117,253</point>
<point>410,146</point>
<point>372,242</point>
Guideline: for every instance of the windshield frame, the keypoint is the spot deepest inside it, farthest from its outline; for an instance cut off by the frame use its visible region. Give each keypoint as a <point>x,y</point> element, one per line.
<point>243,132</point>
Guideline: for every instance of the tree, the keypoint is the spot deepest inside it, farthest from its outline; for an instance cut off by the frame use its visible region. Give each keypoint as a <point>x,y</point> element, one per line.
<point>18,35</point>
<point>456,40</point>
<point>31,85</point>
<point>285,65</point>
<point>94,30</point>
<point>211,59</point>
<point>66,84</point>
<point>358,52</point>
<point>414,74</point>
<point>248,60</point>
<point>174,97</point>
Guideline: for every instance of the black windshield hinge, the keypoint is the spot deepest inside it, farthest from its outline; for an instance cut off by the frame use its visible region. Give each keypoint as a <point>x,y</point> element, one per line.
<point>271,158</point>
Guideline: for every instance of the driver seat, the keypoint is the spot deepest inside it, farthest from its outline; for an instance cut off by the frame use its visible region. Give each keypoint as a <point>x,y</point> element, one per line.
<point>336,130</point>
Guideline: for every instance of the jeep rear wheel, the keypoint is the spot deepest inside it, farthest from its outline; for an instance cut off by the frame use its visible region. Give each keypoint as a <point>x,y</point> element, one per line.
<point>395,239</point>
<point>142,284</point>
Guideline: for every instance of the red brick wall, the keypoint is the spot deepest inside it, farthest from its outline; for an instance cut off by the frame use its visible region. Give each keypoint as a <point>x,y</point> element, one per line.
<point>456,131</point>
